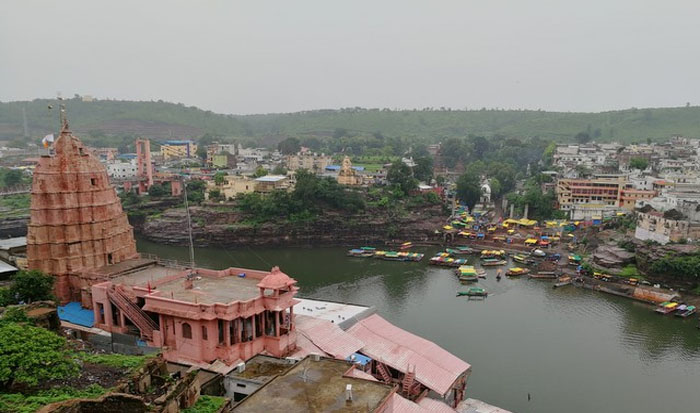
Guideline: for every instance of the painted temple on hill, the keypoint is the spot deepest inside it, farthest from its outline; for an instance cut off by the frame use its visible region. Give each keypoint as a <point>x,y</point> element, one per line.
<point>212,319</point>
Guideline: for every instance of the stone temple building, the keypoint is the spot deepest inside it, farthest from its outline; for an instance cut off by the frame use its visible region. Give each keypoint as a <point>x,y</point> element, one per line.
<point>76,221</point>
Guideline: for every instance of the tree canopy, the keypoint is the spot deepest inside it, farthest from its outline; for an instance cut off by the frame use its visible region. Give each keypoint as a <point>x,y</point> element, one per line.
<point>468,189</point>
<point>639,163</point>
<point>400,174</point>
<point>29,355</point>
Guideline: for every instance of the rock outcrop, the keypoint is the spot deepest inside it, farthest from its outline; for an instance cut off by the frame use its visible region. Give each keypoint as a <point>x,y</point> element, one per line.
<point>211,227</point>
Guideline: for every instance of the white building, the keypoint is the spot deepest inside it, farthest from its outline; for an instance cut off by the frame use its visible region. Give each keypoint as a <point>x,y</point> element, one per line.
<point>121,170</point>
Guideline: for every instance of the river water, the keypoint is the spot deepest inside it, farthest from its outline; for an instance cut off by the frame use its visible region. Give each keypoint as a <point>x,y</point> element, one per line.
<point>572,350</point>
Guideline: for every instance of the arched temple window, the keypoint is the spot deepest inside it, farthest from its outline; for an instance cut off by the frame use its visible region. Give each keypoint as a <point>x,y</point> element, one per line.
<point>186,330</point>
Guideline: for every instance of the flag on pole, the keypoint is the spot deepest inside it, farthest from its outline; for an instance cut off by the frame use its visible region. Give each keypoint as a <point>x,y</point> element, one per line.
<point>48,139</point>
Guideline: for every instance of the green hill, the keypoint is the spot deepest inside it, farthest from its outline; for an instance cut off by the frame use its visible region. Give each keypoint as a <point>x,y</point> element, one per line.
<point>162,120</point>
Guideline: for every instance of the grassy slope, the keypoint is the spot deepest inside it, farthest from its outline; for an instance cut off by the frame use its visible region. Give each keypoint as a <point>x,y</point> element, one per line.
<point>161,117</point>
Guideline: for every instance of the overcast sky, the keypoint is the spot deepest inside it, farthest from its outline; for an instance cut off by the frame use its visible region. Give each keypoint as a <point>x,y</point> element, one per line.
<point>282,56</point>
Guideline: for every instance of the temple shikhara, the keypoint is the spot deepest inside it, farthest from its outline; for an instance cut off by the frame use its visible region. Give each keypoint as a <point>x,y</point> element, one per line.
<point>77,223</point>
<point>219,320</point>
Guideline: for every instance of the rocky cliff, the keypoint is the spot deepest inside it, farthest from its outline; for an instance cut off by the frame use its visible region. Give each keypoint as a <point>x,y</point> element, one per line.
<point>212,227</point>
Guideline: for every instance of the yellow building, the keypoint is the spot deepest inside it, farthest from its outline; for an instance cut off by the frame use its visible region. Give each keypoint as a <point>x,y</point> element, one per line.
<point>347,175</point>
<point>310,161</point>
<point>178,149</point>
<point>233,185</point>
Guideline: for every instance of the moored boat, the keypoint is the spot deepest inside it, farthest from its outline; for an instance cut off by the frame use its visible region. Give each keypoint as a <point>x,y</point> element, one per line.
<point>517,271</point>
<point>473,292</point>
<point>562,281</point>
<point>364,252</point>
<point>467,273</point>
<point>492,254</point>
<point>445,260</point>
<point>524,259</point>
<point>398,255</point>
<point>667,307</point>
<point>544,275</point>
<point>685,312</point>
<point>492,262</point>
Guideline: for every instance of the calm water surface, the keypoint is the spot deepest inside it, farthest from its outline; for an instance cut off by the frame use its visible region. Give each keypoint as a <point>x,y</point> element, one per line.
<point>573,350</point>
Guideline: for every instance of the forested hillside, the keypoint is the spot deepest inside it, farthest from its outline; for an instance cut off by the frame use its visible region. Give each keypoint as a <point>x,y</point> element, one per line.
<point>163,120</point>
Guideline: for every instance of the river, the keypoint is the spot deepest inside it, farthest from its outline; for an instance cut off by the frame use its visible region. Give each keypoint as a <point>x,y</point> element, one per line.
<point>572,350</point>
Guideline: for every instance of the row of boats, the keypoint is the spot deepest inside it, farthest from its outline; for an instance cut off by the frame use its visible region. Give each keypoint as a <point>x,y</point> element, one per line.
<point>677,309</point>
<point>371,252</point>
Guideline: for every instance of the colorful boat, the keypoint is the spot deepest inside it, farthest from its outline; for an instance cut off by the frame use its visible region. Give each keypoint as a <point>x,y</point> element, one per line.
<point>406,245</point>
<point>364,252</point>
<point>517,271</point>
<point>473,292</point>
<point>445,260</point>
<point>398,255</point>
<point>486,254</point>
<point>666,307</point>
<point>685,312</point>
<point>575,260</point>
<point>524,259</point>
<point>459,251</point>
<point>467,273</point>
<point>492,262</point>
<point>544,275</point>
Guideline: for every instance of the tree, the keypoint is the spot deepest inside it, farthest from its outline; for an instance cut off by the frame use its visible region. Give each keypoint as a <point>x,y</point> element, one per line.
<point>280,170</point>
<point>400,174</point>
<point>260,171</point>
<point>220,178</point>
<point>215,194</point>
<point>423,170</point>
<point>339,132</point>
<point>159,190</point>
<point>469,189</point>
<point>13,177</point>
<point>496,187</point>
<point>31,355</point>
<point>582,137</point>
<point>639,163</point>
<point>289,146</point>
<point>195,191</point>
<point>29,286</point>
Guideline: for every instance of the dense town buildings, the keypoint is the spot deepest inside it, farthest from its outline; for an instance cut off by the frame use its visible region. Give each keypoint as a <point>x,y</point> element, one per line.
<point>310,161</point>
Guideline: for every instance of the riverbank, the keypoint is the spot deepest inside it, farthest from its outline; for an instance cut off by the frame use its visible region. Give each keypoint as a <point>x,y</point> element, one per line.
<point>214,227</point>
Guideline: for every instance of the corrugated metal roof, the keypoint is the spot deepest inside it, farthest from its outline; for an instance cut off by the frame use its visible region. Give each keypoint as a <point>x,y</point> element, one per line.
<point>435,367</point>
<point>327,336</point>
<point>271,178</point>
<point>397,404</point>
<point>5,268</point>
<point>359,374</point>
<point>477,406</point>
<point>7,243</point>
<point>433,405</point>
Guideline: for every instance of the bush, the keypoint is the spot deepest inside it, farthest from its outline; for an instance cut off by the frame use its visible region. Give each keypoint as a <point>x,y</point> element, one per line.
<point>20,403</point>
<point>206,404</point>
<point>15,315</point>
<point>31,354</point>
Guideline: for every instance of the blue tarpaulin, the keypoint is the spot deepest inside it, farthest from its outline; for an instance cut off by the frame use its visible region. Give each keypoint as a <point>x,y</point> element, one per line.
<point>359,359</point>
<point>74,313</point>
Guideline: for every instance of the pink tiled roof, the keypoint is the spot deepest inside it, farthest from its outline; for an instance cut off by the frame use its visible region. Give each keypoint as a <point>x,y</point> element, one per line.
<point>327,336</point>
<point>435,367</point>
<point>276,280</point>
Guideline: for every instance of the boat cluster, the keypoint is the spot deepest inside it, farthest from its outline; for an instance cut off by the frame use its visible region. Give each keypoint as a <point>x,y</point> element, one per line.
<point>371,252</point>
<point>677,309</point>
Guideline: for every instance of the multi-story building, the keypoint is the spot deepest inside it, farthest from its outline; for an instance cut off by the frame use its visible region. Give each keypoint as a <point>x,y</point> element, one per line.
<point>599,196</point>
<point>269,183</point>
<point>233,186</point>
<point>664,227</point>
<point>310,161</point>
<point>122,170</point>
<point>178,149</point>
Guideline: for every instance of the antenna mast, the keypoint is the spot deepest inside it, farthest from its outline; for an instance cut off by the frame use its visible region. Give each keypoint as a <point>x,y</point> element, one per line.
<point>189,225</point>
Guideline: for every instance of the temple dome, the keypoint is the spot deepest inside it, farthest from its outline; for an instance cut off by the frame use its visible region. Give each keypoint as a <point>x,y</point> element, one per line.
<point>276,280</point>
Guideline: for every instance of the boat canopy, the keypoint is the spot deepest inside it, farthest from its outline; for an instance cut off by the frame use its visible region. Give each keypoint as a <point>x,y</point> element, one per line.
<point>531,241</point>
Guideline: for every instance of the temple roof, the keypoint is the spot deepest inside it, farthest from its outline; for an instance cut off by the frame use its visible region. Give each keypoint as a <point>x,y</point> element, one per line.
<point>276,280</point>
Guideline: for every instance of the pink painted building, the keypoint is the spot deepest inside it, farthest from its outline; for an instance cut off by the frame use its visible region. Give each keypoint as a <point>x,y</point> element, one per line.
<point>203,315</point>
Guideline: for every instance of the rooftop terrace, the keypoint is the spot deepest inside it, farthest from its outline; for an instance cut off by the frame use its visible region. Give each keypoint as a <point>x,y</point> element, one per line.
<point>210,290</point>
<point>316,386</point>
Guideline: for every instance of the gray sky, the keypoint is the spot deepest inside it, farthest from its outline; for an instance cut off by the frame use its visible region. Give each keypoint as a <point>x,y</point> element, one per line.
<point>263,56</point>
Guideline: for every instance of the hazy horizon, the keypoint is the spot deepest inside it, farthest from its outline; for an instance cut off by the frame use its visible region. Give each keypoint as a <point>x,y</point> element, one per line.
<point>264,57</point>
